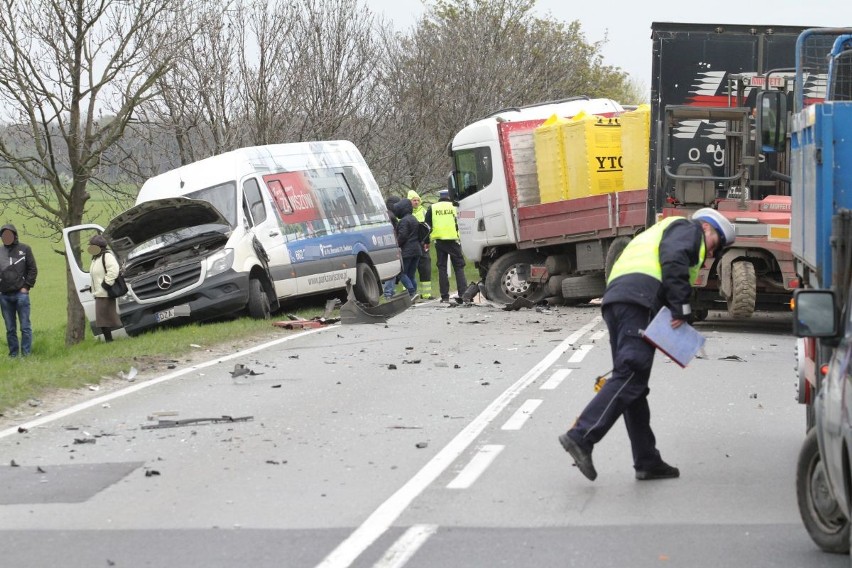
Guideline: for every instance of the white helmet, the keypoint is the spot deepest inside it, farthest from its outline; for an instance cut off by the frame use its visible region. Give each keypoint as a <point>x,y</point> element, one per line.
<point>725,229</point>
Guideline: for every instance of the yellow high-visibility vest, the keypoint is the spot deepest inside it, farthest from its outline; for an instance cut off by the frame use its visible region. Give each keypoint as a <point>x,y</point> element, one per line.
<point>642,255</point>
<point>444,221</point>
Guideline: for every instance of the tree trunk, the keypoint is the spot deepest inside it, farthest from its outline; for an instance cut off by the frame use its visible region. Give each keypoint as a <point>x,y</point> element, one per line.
<point>75,329</point>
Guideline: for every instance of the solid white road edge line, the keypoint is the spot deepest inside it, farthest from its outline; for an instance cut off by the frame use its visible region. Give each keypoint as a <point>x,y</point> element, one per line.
<point>475,467</point>
<point>556,379</point>
<point>405,546</point>
<point>150,383</point>
<point>378,522</point>
<point>521,415</point>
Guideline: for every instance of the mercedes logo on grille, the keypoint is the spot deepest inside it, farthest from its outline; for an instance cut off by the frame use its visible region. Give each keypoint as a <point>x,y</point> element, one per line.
<point>164,282</point>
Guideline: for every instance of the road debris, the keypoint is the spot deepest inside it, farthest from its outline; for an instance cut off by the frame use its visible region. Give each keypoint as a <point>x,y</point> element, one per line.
<point>391,367</point>
<point>420,445</point>
<point>736,358</point>
<point>164,423</point>
<point>356,312</point>
<point>130,375</point>
<point>151,472</point>
<point>240,370</point>
<point>84,440</point>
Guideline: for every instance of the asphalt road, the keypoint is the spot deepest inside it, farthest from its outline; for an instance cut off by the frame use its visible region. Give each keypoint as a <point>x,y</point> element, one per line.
<point>429,441</point>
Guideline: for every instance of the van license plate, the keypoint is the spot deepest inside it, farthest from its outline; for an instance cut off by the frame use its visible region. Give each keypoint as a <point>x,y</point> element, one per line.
<point>165,315</point>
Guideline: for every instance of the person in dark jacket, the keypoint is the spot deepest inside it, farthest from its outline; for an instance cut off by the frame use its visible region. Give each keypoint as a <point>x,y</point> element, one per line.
<point>390,202</point>
<point>657,268</point>
<point>17,277</point>
<point>408,235</point>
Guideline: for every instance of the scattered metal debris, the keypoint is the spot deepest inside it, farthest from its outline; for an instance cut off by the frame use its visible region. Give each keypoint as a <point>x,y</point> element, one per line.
<point>130,375</point>
<point>411,362</point>
<point>736,358</point>
<point>84,440</point>
<point>355,312</point>
<point>240,370</point>
<point>518,303</point>
<point>186,421</point>
<point>552,330</point>
<point>151,472</point>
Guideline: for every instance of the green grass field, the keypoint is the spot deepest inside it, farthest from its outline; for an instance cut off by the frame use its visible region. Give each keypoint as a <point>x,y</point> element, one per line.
<point>53,366</point>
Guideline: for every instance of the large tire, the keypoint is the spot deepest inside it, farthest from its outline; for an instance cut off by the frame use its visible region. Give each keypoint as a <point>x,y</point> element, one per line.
<point>367,289</point>
<point>820,513</point>
<point>258,302</point>
<point>743,290</point>
<point>583,288</point>
<point>502,283</point>
<point>615,249</point>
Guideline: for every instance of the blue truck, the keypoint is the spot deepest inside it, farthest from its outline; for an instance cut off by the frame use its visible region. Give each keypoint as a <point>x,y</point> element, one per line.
<point>821,171</point>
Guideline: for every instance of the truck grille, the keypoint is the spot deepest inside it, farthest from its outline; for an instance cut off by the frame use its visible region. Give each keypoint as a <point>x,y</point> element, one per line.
<point>167,281</point>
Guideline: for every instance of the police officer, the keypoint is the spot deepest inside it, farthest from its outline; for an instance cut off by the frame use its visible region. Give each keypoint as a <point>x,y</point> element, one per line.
<point>442,217</point>
<point>656,269</point>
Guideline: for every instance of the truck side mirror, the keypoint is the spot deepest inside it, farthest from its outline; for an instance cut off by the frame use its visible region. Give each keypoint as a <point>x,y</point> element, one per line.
<point>814,314</point>
<point>451,186</point>
<point>771,120</point>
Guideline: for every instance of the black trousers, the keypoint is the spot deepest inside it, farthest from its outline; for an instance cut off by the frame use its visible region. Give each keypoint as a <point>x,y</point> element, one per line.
<point>450,250</point>
<point>626,391</point>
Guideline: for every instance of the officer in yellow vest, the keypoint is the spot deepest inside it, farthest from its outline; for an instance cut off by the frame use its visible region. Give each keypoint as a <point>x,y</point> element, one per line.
<point>442,217</point>
<point>657,268</point>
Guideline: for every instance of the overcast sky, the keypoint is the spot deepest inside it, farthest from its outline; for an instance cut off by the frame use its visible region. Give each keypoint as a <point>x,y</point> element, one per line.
<point>629,30</point>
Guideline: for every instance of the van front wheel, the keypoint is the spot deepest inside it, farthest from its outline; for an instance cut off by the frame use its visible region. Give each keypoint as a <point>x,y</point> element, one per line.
<point>367,290</point>
<point>258,302</point>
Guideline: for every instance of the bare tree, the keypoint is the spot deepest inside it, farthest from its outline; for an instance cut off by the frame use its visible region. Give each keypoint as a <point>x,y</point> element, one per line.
<point>467,58</point>
<point>72,72</point>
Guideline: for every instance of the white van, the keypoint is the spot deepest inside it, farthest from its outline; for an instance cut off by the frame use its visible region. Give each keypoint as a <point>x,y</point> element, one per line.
<point>242,231</point>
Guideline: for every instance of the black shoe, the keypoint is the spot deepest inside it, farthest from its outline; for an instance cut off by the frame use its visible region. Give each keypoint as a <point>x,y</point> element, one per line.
<point>661,471</point>
<point>582,458</point>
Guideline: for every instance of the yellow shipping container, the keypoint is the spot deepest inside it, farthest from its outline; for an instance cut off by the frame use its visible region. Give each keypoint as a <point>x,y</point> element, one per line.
<point>635,139</point>
<point>592,148</point>
<point>549,159</point>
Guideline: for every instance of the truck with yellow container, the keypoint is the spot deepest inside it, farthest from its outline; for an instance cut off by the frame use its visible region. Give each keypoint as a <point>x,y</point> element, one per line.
<point>550,194</point>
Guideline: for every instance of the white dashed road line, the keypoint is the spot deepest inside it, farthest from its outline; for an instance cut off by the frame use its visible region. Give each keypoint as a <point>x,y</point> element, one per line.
<point>521,415</point>
<point>405,546</point>
<point>381,519</point>
<point>580,353</point>
<point>475,467</point>
<point>556,379</point>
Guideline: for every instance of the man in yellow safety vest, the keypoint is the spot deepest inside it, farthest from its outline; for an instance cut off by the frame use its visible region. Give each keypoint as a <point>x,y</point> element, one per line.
<point>656,269</point>
<point>442,217</point>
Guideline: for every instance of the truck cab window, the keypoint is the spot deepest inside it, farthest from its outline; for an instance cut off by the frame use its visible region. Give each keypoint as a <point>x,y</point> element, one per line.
<point>473,170</point>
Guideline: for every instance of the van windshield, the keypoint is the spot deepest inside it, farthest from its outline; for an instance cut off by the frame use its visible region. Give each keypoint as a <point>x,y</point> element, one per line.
<point>223,197</point>
<point>473,170</point>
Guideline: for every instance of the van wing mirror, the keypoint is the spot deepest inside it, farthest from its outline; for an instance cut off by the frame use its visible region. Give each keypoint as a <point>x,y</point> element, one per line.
<point>815,314</point>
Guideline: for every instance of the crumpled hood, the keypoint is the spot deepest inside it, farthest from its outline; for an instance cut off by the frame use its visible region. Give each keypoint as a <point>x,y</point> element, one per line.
<point>154,218</point>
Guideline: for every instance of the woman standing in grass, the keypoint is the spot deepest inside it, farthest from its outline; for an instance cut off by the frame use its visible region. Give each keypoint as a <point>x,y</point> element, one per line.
<point>104,269</point>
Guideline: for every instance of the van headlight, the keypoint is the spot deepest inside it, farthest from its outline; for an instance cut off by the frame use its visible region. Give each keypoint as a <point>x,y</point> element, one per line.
<point>219,262</point>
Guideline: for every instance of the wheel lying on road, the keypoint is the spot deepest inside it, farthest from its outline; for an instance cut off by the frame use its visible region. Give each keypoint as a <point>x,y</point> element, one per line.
<point>258,302</point>
<point>743,290</point>
<point>583,288</point>
<point>366,289</point>
<point>823,519</point>
<point>503,283</point>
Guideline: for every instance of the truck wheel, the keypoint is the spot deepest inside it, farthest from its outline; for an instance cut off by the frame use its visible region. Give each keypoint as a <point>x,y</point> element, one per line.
<point>615,249</point>
<point>258,302</point>
<point>583,288</point>
<point>367,290</point>
<point>820,513</point>
<point>743,291</point>
<point>503,284</point>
